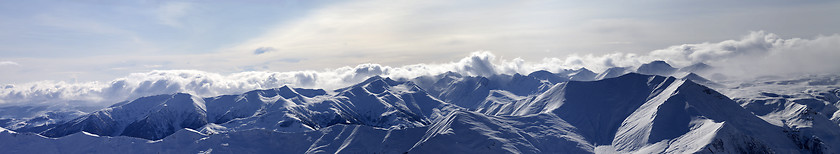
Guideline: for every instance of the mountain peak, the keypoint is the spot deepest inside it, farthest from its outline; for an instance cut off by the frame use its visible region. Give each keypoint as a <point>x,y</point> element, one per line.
<point>700,80</point>
<point>187,100</point>
<point>375,82</point>
<point>696,68</point>
<point>582,74</point>
<point>659,62</point>
<point>310,92</point>
<point>373,78</point>
<point>377,78</point>
<point>583,69</point>
<point>611,73</point>
<point>450,74</point>
<point>540,73</point>
<point>287,92</point>
<point>657,67</point>
<point>151,117</point>
<point>546,75</point>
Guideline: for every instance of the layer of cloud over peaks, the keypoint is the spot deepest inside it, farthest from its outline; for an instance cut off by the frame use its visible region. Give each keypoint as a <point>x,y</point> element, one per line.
<point>758,53</point>
<point>755,44</point>
<point>206,84</point>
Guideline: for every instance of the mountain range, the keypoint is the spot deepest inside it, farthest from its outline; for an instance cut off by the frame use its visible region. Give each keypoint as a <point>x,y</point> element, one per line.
<point>654,108</point>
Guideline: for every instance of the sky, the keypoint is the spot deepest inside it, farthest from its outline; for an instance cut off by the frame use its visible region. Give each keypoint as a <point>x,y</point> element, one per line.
<point>79,50</point>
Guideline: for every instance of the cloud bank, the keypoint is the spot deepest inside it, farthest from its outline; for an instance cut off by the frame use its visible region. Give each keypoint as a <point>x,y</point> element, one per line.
<point>758,53</point>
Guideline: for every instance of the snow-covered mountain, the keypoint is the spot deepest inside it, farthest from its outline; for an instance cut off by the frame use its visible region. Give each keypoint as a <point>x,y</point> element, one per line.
<point>41,122</point>
<point>542,112</point>
<point>377,102</point>
<point>806,107</point>
<point>152,117</point>
<point>656,68</point>
<point>696,68</point>
<point>582,74</point>
<point>471,92</point>
<point>612,72</point>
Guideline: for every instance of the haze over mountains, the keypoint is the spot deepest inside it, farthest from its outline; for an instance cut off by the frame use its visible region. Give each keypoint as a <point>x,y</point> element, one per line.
<point>651,108</point>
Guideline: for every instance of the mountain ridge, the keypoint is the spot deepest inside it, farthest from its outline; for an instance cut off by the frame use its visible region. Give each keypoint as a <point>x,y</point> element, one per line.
<point>542,112</point>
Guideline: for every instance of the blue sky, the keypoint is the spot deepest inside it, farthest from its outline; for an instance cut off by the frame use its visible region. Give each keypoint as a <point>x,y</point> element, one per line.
<point>97,40</point>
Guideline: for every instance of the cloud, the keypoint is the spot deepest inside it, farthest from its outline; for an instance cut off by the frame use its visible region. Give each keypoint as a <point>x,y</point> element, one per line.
<point>786,57</point>
<point>756,43</point>
<point>755,54</point>
<point>206,84</point>
<point>479,63</point>
<point>8,63</point>
<point>758,53</point>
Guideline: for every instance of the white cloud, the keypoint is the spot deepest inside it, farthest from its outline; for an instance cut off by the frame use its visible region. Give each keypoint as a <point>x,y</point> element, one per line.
<point>758,53</point>
<point>756,43</point>
<point>785,57</point>
<point>211,84</point>
<point>8,63</point>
